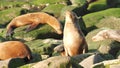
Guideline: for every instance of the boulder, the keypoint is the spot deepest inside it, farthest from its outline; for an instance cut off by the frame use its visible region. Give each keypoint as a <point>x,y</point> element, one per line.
<point>7,15</point>
<point>98,5</point>
<point>57,62</point>
<point>113,3</point>
<point>93,18</point>
<point>43,47</point>
<point>109,22</point>
<point>11,63</point>
<point>54,9</point>
<point>94,59</point>
<point>88,62</point>
<point>115,63</point>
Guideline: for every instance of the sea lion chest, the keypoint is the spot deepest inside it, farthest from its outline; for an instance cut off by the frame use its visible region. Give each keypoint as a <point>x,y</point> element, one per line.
<point>71,34</point>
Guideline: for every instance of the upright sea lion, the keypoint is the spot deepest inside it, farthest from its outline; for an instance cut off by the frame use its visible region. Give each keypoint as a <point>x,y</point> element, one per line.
<point>73,39</point>
<point>107,34</point>
<point>14,49</point>
<point>34,19</point>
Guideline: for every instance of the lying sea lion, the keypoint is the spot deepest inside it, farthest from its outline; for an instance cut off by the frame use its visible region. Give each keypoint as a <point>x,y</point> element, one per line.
<point>14,49</point>
<point>107,34</point>
<point>73,38</point>
<point>34,19</point>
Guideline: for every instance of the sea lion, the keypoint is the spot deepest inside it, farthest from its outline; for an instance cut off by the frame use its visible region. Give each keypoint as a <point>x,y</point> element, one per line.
<point>73,38</point>
<point>107,34</point>
<point>14,49</point>
<point>34,19</point>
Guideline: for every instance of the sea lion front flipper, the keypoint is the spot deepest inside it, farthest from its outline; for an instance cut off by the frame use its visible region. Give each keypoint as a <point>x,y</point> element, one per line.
<point>32,26</point>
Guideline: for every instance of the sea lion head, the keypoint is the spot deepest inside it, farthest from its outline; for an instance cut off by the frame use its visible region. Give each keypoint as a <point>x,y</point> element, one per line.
<point>71,16</point>
<point>100,35</point>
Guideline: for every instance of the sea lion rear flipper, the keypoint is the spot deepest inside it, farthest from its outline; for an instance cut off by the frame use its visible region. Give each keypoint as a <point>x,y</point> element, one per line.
<point>32,26</point>
<point>9,32</point>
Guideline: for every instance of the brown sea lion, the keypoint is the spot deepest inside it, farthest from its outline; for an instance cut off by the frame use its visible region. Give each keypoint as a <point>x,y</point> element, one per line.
<point>14,49</point>
<point>107,34</point>
<point>34,19</point>
<point>73,39</point>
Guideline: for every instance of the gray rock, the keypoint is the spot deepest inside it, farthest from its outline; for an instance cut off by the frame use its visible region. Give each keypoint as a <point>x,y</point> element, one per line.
<point>11,63</point>
<point>88,62</point>
<point>57,62</point>
<point>115,63</point>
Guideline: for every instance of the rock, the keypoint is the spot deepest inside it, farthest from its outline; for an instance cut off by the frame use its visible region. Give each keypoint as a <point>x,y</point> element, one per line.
<point>88,62</point>
<point>115,66</point>
<point>115,63</point>
<point>93,18</point>
<point>27,65</point>
<point>43,46</point>
<point>97,5</point>
<point>38,2</point>
<point>7,15</point>
<point>54,9</point>
<point>109,22</point>
<point>78,2</point>
<point>81,57</point>
<point>57,62</point>
<point>112,3</point>
<point>59,48</point>
<point>11,63</point>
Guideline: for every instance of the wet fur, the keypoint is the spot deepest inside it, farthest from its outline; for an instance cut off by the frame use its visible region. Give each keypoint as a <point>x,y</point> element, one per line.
<point>73,39</point>
<point>34,19</point>
<point>14,49</point>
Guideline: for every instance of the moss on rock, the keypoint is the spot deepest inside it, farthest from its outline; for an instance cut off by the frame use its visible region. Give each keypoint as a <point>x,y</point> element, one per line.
<point>93,18</point>
<point>54,9</point>
<point>97,6</point>
<point>109,22</point>
<point>8,14</point>
<point>44,47</point>
<point>38,2</point>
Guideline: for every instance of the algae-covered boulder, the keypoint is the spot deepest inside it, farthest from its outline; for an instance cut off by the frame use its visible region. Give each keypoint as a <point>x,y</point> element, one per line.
<point>93,18</point>
<point>9,4</point>
<point>8,14</point>
<point>11,63</point>
<point>57,62</point>
<point>97,6</point>
<point>115,63</point>
<point>43,47</point>
<point>38,2</point>
<point>105,46</point>
<point>88,62</point>
<point>109,22</point>
<point>95,58</point>
<point>54,9</point>
<point>78,2</point>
